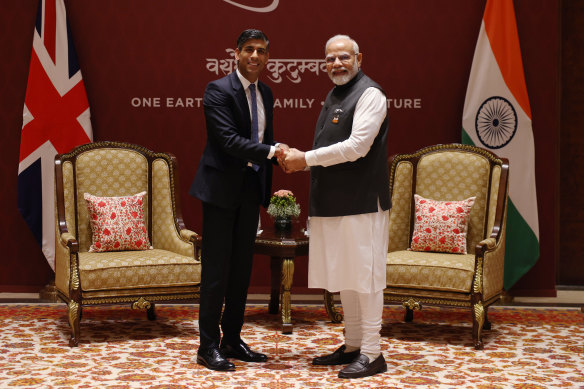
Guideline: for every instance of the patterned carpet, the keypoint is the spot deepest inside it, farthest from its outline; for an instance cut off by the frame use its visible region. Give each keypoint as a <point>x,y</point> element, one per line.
<point>527,348</point>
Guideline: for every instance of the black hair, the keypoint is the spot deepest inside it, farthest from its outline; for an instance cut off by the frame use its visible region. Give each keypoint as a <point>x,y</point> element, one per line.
<point>252,34</point>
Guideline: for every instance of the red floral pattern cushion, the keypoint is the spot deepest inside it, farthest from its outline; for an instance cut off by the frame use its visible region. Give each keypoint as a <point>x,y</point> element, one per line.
<point>117,223</point>
<point>441,226</point>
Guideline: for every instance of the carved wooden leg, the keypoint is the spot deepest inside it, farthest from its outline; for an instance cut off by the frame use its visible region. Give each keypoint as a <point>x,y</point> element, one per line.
<point>287,276</point>
<point>74,312</point>
<point>478,319</point>
<point>410,305</point>
<point>329,305</point>
<point>276,270</point>
<point>409,315</point>
<point>142,303</point>
<point>150,312</point>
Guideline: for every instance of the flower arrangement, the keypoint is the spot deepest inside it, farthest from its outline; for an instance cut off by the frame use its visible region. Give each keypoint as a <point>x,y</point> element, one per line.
<point>283,205</point>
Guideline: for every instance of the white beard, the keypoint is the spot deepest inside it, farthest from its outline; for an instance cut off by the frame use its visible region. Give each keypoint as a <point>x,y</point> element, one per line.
<point>342,79</point>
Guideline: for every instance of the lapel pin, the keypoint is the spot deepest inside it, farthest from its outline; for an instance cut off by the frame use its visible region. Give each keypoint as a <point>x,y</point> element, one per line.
<point>336,114</point>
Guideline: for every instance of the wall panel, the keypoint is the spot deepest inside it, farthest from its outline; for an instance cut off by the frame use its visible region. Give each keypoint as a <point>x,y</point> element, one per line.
<point>146,64</point>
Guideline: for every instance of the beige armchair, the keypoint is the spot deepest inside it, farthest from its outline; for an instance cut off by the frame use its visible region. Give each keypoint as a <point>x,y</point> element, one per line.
<point>169,271</point>
<point>473,280</point>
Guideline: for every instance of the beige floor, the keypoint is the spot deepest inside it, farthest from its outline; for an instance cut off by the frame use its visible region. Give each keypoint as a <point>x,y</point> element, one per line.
<point>564,297</point>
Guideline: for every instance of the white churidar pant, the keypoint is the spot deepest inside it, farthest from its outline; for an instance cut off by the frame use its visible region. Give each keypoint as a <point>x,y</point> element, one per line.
<point>362,313</point>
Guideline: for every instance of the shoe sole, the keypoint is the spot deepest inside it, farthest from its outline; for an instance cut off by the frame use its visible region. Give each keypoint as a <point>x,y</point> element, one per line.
<point>234,356</point>
<point>331,364</point>
<point>243,360</point>
<point>201,361</point>
<point>344,362</point>
<point>383,369</point>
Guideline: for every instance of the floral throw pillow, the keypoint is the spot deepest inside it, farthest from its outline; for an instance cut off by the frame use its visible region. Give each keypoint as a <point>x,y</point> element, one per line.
<point>441,226</point>
<point>117,223</point>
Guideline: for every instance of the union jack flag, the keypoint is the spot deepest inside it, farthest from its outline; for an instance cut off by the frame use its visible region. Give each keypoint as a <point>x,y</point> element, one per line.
<point>56,118</point>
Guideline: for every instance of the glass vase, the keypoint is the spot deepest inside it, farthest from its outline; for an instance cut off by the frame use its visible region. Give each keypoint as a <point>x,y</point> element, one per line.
<point>283,223</point>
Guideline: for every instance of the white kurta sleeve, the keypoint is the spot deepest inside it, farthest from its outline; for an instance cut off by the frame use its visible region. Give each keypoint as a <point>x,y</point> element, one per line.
<point>370,112</point>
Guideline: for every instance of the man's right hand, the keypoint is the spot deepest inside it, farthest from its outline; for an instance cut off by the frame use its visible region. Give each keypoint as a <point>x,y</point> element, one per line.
<point>294,161</point>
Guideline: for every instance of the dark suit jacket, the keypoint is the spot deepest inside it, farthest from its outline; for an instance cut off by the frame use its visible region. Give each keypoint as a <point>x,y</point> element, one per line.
<point>219,178</point>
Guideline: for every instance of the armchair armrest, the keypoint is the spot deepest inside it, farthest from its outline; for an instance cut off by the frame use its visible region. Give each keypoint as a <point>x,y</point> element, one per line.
<point>190,236</point>
<point>68,240</point>
<point>195,239</point>
<point>491,275</point>
<point>66,266</point>
<point>486,244</point>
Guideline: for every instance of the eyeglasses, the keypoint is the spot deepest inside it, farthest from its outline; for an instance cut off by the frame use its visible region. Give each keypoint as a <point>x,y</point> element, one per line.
<point>344,58</point>
<point>250,49</point>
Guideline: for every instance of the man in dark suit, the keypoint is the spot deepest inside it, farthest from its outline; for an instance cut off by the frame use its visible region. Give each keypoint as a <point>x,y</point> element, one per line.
<point>233,178</point>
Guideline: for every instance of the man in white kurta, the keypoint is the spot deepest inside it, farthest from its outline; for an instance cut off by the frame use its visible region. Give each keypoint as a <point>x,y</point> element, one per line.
<point>347,253</point>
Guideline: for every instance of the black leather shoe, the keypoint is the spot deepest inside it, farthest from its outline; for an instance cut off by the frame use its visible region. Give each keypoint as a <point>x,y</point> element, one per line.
<point>212,358</point>
<point>242,352</point>
<point>339,357</point>
<point>361,367</point>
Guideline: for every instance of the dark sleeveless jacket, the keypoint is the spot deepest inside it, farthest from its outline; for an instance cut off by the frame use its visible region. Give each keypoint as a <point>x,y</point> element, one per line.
<point>348,188</point>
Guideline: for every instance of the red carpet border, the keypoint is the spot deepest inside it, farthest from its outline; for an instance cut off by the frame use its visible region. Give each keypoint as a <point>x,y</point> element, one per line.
<point>527,348</point>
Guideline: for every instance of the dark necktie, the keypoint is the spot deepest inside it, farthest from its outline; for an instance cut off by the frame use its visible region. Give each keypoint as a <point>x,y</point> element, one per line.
<point>254,119</point>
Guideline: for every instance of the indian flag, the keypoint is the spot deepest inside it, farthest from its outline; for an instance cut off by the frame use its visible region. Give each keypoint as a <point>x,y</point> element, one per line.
<point>497,117</point>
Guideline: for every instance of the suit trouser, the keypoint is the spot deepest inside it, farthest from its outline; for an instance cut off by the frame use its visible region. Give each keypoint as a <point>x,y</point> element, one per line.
<point>227,257</point>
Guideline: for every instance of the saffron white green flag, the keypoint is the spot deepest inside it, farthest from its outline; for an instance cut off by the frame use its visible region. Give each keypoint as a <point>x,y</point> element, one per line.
<point>497,117</point>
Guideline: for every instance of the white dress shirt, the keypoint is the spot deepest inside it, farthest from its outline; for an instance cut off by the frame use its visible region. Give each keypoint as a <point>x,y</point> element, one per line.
<point>261,109</point>
<point>370,112</point>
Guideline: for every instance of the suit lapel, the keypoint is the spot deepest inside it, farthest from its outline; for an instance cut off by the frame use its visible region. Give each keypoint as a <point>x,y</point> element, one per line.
<point>242,104</point>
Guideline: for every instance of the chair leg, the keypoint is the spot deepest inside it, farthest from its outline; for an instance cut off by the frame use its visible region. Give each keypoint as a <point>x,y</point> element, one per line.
<point>409,315</point>
<point>478,320</point>
<point>329,304</point>
<point>74,311</point>
<point>150,312</point>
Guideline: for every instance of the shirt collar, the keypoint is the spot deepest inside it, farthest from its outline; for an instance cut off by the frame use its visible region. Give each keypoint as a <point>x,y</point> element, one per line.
<point>244,81</point>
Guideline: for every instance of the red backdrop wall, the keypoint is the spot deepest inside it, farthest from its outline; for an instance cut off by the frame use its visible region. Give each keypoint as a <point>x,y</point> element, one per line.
<point>146,64</point>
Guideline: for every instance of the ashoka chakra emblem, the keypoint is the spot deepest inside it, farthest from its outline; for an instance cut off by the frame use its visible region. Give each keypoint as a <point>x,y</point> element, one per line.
<point>496,122</point>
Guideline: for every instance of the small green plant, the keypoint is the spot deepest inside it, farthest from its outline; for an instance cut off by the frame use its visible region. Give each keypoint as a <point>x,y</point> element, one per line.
<point>283,205</point>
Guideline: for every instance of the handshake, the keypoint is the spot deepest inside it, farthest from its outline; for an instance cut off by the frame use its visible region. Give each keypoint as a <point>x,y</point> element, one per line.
<point>290,160</point>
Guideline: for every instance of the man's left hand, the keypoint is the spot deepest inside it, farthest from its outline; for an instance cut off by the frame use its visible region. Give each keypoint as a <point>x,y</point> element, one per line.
<point>280,154</point>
